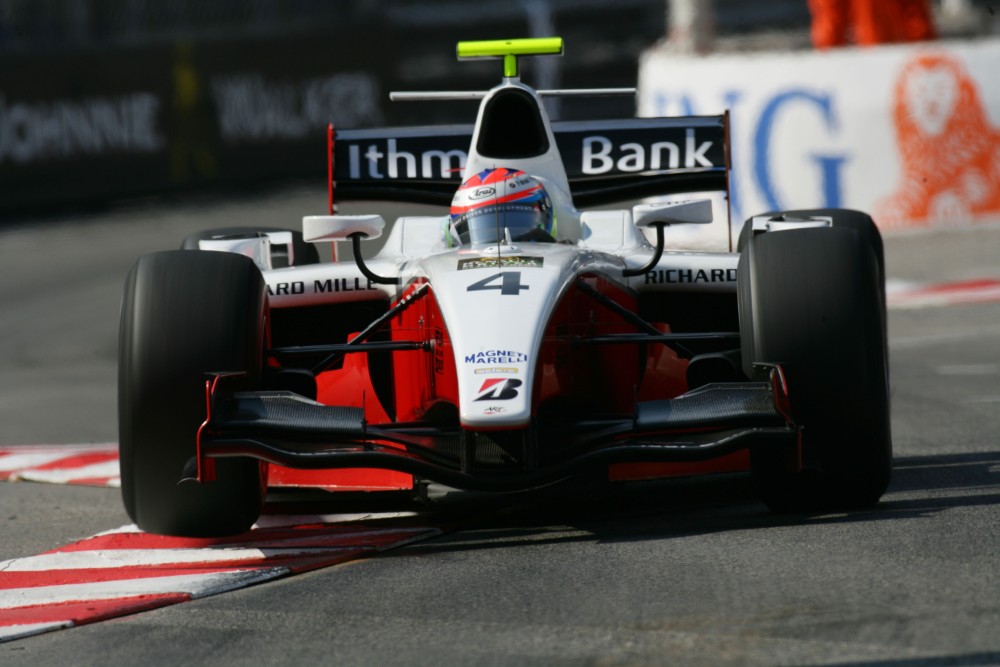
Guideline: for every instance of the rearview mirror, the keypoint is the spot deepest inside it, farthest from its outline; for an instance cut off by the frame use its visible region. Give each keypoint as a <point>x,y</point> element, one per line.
<point>340,227</point>
<point>696,212</point>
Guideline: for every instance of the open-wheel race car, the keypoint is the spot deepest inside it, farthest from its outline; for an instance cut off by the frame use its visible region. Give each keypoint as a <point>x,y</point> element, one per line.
<point>517,341</point>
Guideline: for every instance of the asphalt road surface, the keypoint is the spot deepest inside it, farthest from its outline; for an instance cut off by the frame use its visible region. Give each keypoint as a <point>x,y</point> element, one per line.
<point>693,573</point>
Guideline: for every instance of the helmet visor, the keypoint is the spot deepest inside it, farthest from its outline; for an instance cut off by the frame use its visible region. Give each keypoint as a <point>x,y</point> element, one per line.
<point>525,222</point>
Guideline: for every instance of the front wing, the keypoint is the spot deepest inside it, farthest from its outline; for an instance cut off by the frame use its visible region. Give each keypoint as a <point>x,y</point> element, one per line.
<point>286,429</point>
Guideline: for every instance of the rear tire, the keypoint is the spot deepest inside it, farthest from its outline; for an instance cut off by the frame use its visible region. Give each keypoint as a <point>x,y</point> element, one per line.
<point>303,252</point>
<point>812,300</point>
<point>186,314</point>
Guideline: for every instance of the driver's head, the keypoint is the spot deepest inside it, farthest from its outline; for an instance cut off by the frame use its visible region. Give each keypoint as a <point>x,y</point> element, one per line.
<point>495,200</point>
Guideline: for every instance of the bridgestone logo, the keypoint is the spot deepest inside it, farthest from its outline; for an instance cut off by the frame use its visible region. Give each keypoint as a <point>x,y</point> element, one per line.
<point>498,389</point>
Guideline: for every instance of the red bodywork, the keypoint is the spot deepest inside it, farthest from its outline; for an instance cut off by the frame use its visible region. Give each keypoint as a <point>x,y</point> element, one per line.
<point>601,379</point>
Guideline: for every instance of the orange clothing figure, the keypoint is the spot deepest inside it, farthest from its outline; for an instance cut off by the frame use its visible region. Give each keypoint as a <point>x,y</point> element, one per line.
<point>868,22</point>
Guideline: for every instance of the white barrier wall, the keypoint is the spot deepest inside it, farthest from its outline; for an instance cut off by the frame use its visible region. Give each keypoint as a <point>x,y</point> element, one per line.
<point>908,133</point>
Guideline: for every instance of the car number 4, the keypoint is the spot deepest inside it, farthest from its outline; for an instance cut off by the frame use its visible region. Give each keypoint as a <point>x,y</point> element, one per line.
<point>507,283</point>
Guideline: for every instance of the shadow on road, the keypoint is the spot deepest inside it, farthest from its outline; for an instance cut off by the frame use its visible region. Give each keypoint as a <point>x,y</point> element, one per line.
<point>964,660</point>
<point>921,486</point>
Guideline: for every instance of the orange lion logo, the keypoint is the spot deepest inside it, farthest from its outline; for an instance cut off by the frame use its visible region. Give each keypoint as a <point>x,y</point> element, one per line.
<point>950,154</point>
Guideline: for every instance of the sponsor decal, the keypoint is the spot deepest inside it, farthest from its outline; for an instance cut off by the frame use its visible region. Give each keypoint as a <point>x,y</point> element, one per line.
<point>355,284</point>
<point>503,262</point>
<point>254,109</point>
<point>483,193</point>
<point>496,357</point>
<point>64,129</point>
<point>286,289</point>
<point>600,155</point>
<point>291,288</point>
<point>497,370</point>
<point>591,149</point>
<point>518,182</point>
<point>385,160</point>
<point>494,410</point>
<point>498,389</point>
<point>666,276</point>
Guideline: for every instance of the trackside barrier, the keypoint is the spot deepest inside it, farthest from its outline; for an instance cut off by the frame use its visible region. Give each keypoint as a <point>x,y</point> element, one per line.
<point>223,110</point>
<point>910,133</point>
<point>78,127</point>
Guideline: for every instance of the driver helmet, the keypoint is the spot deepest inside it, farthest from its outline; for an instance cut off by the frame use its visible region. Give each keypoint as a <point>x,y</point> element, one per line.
<point>496,201</point>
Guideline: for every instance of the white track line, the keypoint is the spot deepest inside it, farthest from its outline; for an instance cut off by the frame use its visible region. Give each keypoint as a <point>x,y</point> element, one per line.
<point>195,585</point>
<point>29,460</point>
<point>117,558</point>
<point>9,632</point>
<point>108,470</point>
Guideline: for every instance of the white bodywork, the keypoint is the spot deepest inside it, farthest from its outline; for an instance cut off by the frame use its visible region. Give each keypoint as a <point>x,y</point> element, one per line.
<point>497,333</point>
<point>496,315</point>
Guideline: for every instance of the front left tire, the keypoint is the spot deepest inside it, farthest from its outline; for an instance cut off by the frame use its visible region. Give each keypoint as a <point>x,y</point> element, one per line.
<point>186,314</point>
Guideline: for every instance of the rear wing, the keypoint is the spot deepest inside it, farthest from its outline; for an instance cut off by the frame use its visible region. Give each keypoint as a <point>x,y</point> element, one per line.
<point>605,161</point>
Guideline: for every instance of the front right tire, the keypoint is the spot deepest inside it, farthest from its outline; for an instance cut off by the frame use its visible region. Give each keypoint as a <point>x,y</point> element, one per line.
<point>812,301</point>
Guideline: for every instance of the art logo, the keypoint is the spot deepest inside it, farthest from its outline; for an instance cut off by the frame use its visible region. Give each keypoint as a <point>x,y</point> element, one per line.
<point>498,389</point>
<point>949,151</point>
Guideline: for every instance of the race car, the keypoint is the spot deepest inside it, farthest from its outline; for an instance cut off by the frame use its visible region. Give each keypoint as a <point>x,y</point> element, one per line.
<point>516,341</point>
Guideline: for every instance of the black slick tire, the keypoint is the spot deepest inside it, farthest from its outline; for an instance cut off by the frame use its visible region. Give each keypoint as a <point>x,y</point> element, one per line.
<point>812,300</point>
<point>185,314</point>
<point>841,218</point>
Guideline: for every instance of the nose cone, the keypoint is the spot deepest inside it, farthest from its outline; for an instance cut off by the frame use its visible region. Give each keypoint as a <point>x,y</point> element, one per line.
<point>496,306</point>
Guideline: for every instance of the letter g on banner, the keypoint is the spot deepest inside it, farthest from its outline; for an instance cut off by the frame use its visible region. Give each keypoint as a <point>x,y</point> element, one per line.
<point>829,165</point>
